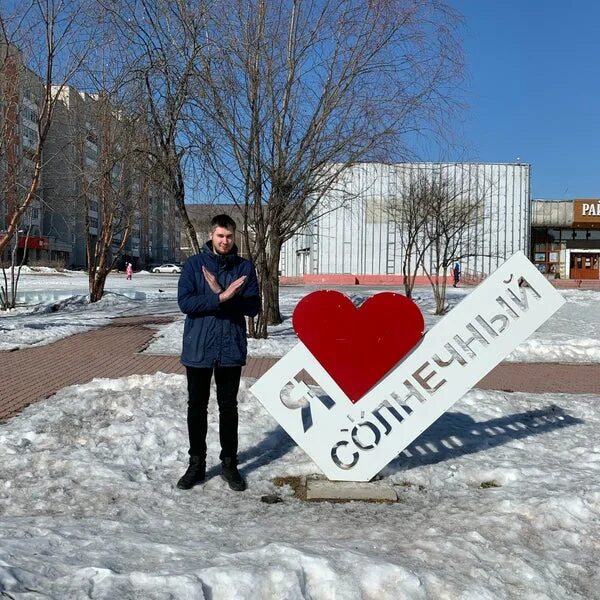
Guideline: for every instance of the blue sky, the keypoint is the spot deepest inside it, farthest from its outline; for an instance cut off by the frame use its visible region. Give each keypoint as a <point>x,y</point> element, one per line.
<point>533,90</point>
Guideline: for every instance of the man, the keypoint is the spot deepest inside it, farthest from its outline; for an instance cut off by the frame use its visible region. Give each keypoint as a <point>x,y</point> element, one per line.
<point>217,289</point>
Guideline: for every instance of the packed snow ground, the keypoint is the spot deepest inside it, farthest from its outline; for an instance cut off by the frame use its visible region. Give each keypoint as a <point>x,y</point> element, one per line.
<point>499,498</point>
<point>58,306</point>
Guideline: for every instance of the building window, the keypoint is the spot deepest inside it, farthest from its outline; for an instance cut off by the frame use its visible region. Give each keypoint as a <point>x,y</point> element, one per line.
<point>29,136</point>
<point>28,113</point>
<point>91,155</point>
<point>546,248</point>
<point>30,95</point>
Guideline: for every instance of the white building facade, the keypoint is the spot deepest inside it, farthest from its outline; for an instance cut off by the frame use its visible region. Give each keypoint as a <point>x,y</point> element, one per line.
<point>355,233</point>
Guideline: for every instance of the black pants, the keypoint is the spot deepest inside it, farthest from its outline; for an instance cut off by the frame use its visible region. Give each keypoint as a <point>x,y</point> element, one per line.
<point>228,383</point>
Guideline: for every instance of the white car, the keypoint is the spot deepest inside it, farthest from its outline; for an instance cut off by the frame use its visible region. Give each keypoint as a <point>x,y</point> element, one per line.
<point>170,268</point>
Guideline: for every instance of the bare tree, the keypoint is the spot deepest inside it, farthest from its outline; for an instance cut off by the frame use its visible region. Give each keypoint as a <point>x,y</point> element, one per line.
<point>292,94</point>
<point>454,207</point>
<point>41,43</point>
<point>111,149</point>
<point>408,209</point>
<point>115,185</point>
<point>162,41</point>
<point>11,276</point>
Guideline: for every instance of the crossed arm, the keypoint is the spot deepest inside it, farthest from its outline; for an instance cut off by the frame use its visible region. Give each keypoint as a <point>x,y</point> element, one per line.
<point>241,295</point>
<point>232,289</point>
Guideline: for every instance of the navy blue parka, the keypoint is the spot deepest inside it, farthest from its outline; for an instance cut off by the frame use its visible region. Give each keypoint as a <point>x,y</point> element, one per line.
<point>214,333</point>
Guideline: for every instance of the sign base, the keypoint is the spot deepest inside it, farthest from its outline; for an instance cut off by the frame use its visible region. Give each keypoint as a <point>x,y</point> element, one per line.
<point>315,488</point>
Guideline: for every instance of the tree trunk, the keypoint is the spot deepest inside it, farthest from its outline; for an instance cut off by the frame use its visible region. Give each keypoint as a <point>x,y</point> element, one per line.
<point>271,295</point>
<point>97,266</point>
<point>409,282</point>
<point>259,329</point>
<point>439,292</point>
<point>267,270</point>
<point>97,286</point>
<point>8,294</point>
<point>178,190</point>
<point>273,312</point>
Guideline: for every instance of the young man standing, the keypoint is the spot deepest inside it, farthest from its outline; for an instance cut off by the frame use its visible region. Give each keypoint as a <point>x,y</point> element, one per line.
<point>217,290</point>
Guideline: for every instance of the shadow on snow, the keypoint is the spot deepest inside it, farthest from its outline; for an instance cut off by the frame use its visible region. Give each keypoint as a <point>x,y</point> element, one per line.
<point>456,434</point>
<point>453,435</point>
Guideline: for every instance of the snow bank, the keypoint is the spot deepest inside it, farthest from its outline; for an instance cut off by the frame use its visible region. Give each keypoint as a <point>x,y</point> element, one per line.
<point>498,499</point>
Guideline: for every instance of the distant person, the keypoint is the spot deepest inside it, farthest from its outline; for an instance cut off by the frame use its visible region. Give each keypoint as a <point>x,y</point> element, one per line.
<point>455,274</point>
<point>129,271</point>
<point>216,290</point>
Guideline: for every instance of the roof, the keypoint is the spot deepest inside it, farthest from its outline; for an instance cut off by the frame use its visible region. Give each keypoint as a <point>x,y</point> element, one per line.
<point>552,213</point>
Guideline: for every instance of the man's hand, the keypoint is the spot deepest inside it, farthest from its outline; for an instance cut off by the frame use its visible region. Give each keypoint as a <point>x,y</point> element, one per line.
<point>233,288</point>
<point>213,284</point>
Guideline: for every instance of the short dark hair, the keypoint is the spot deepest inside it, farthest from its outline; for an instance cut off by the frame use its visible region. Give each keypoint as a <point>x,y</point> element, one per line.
<point>222,221</point>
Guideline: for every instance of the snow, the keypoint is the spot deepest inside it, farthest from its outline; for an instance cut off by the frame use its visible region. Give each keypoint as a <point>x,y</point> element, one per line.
<point>90,509</point>
<point>498,499</point>
<point>54,305</point>
<point>572,335</point>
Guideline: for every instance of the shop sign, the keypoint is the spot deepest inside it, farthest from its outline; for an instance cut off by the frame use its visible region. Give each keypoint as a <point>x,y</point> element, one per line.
<point>586,212</point>
<point>33,242</point>
<point>384,381</point>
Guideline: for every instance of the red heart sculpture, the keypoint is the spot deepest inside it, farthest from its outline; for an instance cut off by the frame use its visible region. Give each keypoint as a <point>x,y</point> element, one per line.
<point>358,346</point>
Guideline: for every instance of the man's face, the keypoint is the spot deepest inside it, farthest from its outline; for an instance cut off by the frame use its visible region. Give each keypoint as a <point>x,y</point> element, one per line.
<point>222,240</point>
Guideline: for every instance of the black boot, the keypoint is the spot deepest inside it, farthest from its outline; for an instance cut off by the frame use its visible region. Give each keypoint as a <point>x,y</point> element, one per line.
<point>195,473</point>
<point>232,476</point>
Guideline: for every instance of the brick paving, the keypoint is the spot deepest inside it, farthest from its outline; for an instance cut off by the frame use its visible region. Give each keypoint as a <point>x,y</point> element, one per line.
<point>114,351</point>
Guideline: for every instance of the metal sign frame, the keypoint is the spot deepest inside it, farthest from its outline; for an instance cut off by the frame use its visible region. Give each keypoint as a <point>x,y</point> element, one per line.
<point>353,442</point>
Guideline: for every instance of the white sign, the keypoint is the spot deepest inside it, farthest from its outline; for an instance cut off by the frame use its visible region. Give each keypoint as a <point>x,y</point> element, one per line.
<point>353,442</point>
<point>590,210</point>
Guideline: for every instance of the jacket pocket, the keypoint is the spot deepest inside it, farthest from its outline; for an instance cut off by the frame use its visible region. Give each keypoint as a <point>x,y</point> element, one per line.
<point>194,343</point>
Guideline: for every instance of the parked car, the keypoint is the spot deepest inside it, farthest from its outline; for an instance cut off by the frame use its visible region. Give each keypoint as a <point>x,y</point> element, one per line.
<point>169,268</point>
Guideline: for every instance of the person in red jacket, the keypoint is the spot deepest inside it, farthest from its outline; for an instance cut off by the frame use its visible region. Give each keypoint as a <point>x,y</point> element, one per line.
<point>216,291</point>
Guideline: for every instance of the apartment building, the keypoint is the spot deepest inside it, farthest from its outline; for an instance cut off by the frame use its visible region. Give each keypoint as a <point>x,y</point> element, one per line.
<point>86,135</point>
<point>21,95</point>
<point>95,172</point>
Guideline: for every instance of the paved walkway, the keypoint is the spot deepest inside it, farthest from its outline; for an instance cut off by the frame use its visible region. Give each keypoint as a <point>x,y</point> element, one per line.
<point>114,351</point>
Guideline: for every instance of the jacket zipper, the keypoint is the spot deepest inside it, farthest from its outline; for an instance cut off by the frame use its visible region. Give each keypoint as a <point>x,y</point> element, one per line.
<point>219,360</point>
